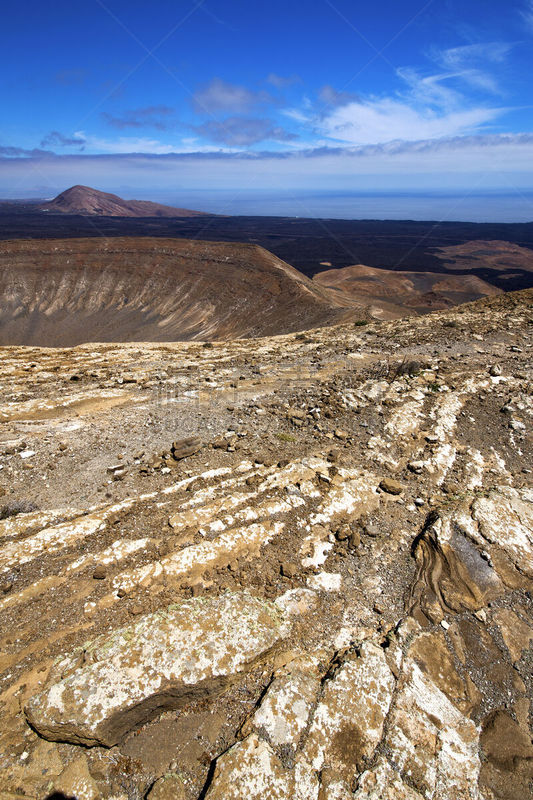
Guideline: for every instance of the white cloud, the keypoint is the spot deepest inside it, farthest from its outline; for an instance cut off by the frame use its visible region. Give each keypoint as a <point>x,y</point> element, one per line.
<point>127,144</point>
<point>471,54</point>
<point>297,115</point>
<point>386,120</point>
<point>428,91</point>
<point>427,107</point>
<point>242,132</point>
<point>139,145</point>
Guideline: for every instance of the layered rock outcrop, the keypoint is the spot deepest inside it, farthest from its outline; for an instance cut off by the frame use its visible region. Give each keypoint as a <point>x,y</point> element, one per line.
<point>294,567</point>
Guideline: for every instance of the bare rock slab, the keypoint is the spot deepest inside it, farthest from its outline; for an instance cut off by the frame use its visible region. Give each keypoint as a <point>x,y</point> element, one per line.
<point>124,679</point>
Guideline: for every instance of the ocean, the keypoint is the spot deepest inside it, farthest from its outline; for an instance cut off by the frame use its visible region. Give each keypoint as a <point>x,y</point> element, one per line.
<point>463,207</point>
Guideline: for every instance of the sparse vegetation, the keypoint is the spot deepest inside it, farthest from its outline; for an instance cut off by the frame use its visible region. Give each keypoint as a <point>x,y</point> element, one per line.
<point>286,437</point>
<point>408,367</point>
<point>15,507</point>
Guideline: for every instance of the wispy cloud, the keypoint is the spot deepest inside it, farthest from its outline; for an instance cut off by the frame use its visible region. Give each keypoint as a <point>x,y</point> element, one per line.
<point>332,97</point>
<point>150,116</point>
<point>57,139</point>
<point>22,152</point>
<point>218,95</point>
<point>128,144</point>
<point>281,82</point>
<point>241,132</point>
<point>473,63</point>
<point>527,13</point>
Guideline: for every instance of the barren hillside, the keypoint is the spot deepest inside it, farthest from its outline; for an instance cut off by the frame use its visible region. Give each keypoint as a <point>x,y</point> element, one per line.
<point>288,568</point>
<point>398,292</point>
<point>64,292</point>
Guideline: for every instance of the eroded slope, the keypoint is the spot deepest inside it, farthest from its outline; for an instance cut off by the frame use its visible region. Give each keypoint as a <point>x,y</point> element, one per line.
<point>64,292</point>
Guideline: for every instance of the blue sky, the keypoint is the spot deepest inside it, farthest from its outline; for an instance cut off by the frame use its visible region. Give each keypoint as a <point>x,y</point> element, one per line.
<point>154,99</point>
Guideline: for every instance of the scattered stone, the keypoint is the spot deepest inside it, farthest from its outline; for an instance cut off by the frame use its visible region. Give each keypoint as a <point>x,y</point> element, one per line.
<point>115,468</point>
<point>296,414</point>
<point>391,486</point>
<point>354,539</point>
<point>343,532</point>
<point>100,573</point>
<point>495,370</point>
<point>186,447</point>
<point>456,664</point>
<point>289,569</point>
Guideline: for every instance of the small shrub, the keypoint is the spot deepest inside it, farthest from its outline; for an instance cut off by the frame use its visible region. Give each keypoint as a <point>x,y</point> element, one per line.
<point>286,437</point>
<point>16,507</point>
<point>360,322</point>
<point>411,368</point>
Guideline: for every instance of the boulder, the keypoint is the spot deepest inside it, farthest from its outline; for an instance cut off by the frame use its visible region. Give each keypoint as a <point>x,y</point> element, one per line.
<point>162,661</point>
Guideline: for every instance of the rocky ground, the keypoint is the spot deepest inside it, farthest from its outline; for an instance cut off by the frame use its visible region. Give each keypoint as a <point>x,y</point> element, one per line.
<point>294,567</point>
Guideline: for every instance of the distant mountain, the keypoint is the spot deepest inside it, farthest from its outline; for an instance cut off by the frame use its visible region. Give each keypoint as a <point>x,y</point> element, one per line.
<point>87,201</point>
